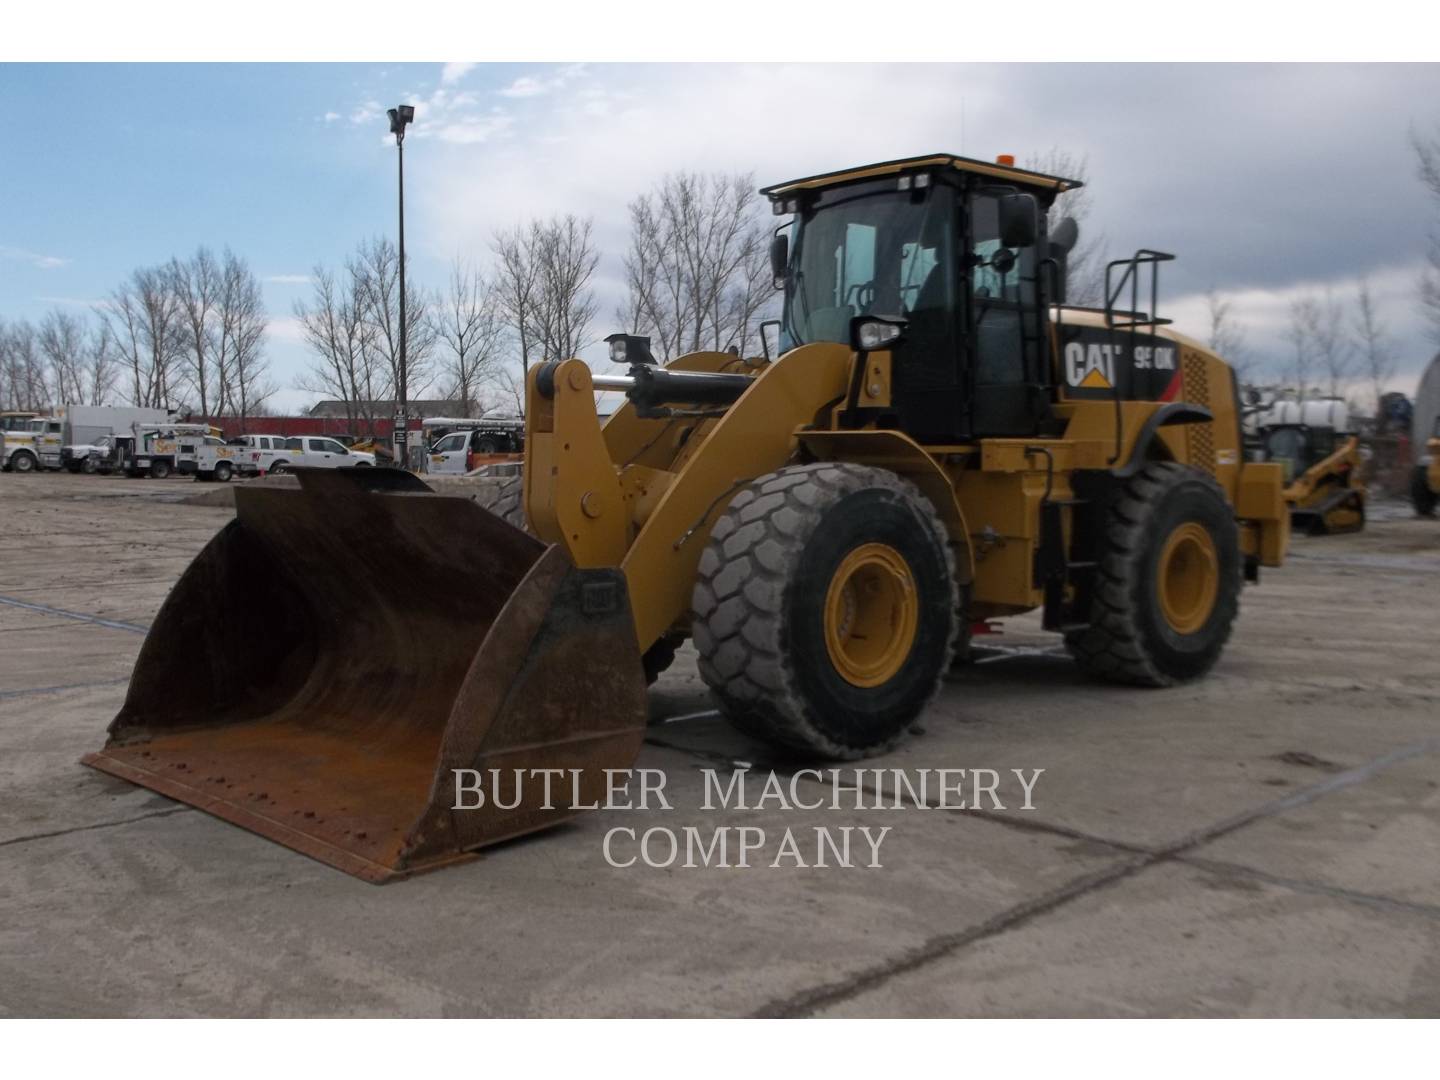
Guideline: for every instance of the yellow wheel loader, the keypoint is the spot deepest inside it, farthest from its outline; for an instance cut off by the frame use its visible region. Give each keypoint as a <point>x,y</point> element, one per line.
<point>937,440</point>
<point>1425,479</point>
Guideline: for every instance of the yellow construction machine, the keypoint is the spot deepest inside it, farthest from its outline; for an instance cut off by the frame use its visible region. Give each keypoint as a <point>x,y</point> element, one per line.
<point>1425,479</point>
<point>1314,443</point>
<point>936,440</point>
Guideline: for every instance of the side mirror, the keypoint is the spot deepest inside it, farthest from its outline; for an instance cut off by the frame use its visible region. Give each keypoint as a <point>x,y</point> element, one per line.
<point>1064,237</point>
<point>779,258</point>
<point>1019,220</point>
<point>768,327</point>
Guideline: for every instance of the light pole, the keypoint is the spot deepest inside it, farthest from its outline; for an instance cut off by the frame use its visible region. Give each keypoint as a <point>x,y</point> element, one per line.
<point>399,117</point>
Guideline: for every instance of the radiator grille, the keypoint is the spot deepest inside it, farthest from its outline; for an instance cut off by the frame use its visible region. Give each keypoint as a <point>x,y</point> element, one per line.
<point>1200,438</point>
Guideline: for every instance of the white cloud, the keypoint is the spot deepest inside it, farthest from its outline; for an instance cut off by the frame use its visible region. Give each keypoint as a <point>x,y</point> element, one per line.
<point>35,259</point>
<point>1265,222</point>
<point>367,113</point>
<point>1264,314</point>
<point>287,279</point>
<point>331,117</point>
<point>535,85</point>
<point>286,329</point>
<point>453,73</point>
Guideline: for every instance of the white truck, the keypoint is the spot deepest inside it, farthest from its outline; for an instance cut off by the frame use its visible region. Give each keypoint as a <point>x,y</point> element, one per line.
<point>453,444</point>
<point>30,441</point>
<point>86,425</point>
<point>209,459</point>
<point>153,450</point>
<point>276,454</point>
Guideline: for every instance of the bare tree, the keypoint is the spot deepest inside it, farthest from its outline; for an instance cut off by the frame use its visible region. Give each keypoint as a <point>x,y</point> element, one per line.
<point>62,340</point>
<point>1373,344</point>
<point>347,364</point>
<point>1085,267</point>
<point>376,265</point>
<point>1304,318</point>
<point>23,367</point>
<point>517,292</point>
<point>145,318</point>
<point>472,328</point>
<point>196,282</point>
<point>1332,344</point>
<point>564,256</point>
<point>240,363</point>
<point>99,372</point>
<point>1227,337</point>
<point>1427,161</point>
<point>697,272</point>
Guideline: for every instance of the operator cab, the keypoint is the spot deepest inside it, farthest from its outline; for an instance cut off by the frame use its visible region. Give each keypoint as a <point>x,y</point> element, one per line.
<point>958,250</point>
<point>1299,447</point>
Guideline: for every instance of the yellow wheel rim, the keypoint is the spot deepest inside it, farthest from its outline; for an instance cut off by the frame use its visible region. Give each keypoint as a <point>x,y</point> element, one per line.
<point>871,615</point>
<point>1189,578</point>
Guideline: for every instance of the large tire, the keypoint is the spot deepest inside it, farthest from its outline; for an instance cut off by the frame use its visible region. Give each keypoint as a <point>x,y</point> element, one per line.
<point>1421,497</point>
<point>159,470</point>
<point>826,608</point>
<point>486,445</point>
<point>506,500</point>
<point>278,469</point>
<point>223,472</point>
<point>1168,585</point>
<point>22,461</point>
<point>89,467</point>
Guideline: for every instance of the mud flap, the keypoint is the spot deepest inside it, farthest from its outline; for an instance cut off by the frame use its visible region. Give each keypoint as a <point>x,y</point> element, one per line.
<point>335,652</point>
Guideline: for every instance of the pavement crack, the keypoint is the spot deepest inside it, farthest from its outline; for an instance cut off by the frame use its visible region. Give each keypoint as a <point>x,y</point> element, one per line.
<point>45,609</point>
<point>98,825</point>
<point>1317,888</point>
<point>810,1001</point>
<point>6,695</point>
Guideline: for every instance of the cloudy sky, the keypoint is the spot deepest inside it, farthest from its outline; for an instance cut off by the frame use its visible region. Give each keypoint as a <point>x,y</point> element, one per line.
<point>1269,182</point>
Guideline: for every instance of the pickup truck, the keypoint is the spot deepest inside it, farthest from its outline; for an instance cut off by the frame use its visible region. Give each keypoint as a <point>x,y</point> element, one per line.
<point>275,454</point>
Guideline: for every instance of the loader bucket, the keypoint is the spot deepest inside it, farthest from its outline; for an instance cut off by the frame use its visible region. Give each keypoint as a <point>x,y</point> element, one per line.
<point>337,650</point>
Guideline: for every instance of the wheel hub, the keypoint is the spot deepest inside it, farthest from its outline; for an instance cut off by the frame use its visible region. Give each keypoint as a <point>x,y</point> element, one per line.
<point>871,615</point>
<point>1189,578</point>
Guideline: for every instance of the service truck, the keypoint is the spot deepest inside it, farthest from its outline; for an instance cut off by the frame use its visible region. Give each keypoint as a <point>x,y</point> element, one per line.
<point>454,446</point>
<point>30,442</point>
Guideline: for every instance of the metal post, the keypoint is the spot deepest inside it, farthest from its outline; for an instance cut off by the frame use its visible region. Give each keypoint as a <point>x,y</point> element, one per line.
<point>404,396</point>
<point>399,117</point>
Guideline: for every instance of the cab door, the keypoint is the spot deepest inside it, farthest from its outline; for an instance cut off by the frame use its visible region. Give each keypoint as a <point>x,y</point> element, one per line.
<point>447,457</point>
<point>48,445</point>
<point>1009,388</point>
<point>325,453</point>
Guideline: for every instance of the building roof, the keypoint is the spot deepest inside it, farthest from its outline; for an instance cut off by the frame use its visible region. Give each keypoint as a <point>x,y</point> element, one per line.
<point>415,407</point>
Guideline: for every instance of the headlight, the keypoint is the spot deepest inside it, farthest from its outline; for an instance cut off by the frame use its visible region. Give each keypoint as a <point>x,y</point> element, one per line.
<point>870,332</point>
<point>630,349</point>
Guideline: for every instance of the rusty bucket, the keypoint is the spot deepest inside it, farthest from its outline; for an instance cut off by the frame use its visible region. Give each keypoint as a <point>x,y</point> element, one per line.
<point>336,651</point>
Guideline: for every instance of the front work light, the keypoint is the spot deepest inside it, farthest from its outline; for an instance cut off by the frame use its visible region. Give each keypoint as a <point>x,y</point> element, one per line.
<point>630,349</point>
<point>871,332</point>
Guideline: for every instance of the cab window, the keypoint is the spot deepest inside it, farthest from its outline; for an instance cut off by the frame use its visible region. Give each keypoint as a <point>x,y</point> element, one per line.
<point>450,442</point>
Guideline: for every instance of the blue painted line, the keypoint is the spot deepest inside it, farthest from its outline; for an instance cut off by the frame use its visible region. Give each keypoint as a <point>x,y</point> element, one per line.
<point>45,609</point>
